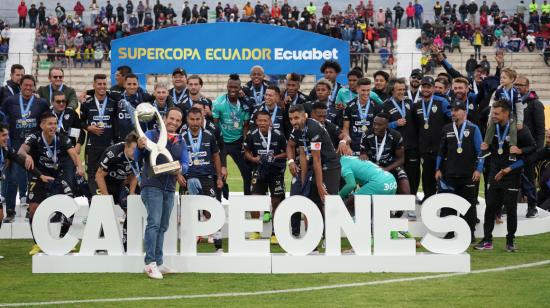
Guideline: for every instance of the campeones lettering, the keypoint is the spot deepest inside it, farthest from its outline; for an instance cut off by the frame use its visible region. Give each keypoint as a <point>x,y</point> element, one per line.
<point>226,54</point>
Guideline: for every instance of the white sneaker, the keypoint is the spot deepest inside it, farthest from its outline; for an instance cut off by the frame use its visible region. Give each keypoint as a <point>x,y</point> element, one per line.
<point>165,269</point>
<point>1,257</point>
<point>23,201</point>
<point>219,251</point>
<point>152,271</point>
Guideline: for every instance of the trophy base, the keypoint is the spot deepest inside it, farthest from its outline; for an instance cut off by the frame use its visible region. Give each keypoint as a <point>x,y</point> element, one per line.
<point>167,167</point>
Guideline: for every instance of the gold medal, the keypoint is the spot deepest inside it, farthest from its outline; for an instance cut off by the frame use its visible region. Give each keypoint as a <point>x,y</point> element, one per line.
<point>459,150</point>
<point>100,124</point>
<point>236,124</point>
<point>196,162</point>
<point>500,151</point>
<point>426,126</point>
<point>364,128</point>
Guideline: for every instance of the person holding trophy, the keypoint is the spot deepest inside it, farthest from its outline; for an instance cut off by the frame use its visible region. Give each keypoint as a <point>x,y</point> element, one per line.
<point>163,154</point>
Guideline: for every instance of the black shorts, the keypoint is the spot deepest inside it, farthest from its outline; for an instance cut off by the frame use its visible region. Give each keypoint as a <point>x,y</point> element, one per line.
<point>208,187</point>
<point>331,180</point>
<point>275,184</point>
<point>399,174</point>
<point>120,193</point>
<point>39,191</point>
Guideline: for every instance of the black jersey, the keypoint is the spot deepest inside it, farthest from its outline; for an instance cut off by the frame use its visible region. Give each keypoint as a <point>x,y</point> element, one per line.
<point>126,107</point>
<point>69,124</point>
<point>398,110</point>
<point>454,164</point>
<point>266,147</point>
<point>360,120</point>
<point>47,157</point>
<point>503,159</point>
<point>315,137</point>
<point>200,155</point>
<point>116,164</point>
<point>430,116</point>
<point>277,116</point>
<point>334,132</point>
<point>381,150</point>
<point>102,114</point>
<point>254,93</point>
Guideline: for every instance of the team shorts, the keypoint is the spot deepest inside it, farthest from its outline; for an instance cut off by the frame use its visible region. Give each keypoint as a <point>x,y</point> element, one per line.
<point>39,191</point>
<point>399,174</point>
<point>206,186</point>
<point>275,184</point>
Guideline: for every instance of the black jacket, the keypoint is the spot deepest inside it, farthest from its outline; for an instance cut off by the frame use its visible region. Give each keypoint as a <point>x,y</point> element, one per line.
<point>533,117</point>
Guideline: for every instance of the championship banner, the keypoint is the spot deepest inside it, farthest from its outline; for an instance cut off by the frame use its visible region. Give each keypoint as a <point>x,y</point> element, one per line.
<point>225,48</point>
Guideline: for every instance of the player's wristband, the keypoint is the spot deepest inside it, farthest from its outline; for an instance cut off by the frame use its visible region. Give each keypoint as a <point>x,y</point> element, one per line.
<point>290,161</point>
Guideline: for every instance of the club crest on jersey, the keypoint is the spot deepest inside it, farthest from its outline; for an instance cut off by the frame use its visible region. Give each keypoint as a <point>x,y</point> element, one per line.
<point>66,116</point>
<point>434,109</point>
<point>466,133</point>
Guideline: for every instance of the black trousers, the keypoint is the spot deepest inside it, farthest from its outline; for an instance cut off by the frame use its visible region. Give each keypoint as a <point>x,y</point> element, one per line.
<point>410,21</point>
<point>397,22</point>
<point>467,189</point>
<point>412,168</point>
<point>506,195</point>
<point>236,151</point>
<point>331,179</point>
<point>93,154</point>
<point>528,185</point>
<point>429,184</point>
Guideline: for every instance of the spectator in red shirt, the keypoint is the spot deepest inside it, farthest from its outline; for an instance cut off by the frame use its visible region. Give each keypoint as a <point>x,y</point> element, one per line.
<point>410,11</point>
<point>22,12</point>
<point>360,9</point>
<point>327,10</point>
<point>370,12</point>
<point>275,11</point>
<point>78,9</point>
<point>483,20</point>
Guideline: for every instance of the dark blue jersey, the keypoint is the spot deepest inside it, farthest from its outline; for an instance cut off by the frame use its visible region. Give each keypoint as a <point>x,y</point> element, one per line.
<point>20,126</point>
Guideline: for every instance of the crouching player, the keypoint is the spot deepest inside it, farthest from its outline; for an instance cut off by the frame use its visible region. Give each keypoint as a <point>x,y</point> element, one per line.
<point>371,179</point>
<point>118,174</point>
<point>46,151</point>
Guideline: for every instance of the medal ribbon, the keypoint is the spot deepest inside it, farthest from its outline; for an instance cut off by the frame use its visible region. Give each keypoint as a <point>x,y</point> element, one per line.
<point>51,91</point>
<point>48,147</point>
<point>364,114</point>
<point>425,114</point>
<point>460,136</point>
<point>268,141</point>
<point>380,150</point>
<point>101,107</point>
<point>25,110</point>
<point>402,110</point>
<point>501,138</point>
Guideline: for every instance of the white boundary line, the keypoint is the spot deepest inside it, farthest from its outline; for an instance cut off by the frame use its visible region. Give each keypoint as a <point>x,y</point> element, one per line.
<point>268,292</point>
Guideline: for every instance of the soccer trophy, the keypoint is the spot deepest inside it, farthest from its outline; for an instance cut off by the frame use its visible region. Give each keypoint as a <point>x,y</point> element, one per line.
<point>145,112</point>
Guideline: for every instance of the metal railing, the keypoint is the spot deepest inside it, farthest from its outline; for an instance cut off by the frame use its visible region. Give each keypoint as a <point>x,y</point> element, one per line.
<point>368,62</point>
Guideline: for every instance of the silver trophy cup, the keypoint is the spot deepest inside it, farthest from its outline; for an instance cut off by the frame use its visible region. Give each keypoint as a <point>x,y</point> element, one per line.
<point>145,112</point>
